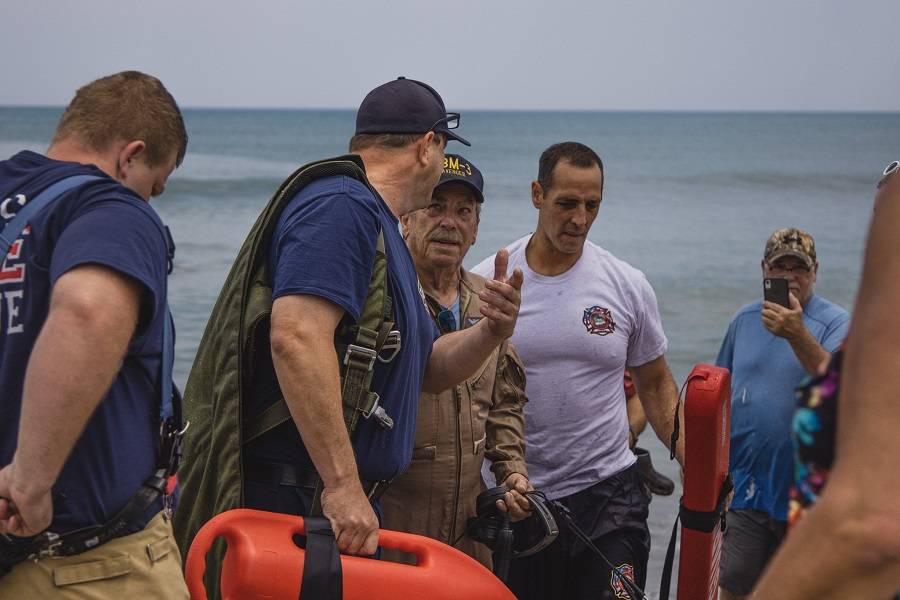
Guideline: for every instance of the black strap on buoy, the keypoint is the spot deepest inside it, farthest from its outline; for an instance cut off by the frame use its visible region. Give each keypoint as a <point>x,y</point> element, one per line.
<point>705,521</point>
<point>322,575</point>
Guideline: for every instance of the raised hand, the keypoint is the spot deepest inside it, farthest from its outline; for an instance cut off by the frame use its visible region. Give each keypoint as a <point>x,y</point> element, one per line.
<point>783,322</point>
<point>502,297</point>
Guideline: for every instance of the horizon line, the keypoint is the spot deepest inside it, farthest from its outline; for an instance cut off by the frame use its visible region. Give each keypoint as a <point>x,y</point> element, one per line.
<point>523,110</point>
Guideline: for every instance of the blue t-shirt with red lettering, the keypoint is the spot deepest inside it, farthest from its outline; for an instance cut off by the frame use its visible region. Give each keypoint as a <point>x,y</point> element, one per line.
<point>324,245</point>
<point>100,223</point>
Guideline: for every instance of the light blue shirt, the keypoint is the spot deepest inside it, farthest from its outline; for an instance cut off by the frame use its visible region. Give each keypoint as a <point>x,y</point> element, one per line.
<point>454,308</point>
<point>764,373</point>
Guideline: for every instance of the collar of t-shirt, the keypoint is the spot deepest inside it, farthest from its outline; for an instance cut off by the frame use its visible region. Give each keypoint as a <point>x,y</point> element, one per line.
<point>446,324</point>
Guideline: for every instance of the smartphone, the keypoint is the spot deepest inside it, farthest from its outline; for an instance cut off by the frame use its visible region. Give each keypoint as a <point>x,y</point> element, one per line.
<point>775,289</point>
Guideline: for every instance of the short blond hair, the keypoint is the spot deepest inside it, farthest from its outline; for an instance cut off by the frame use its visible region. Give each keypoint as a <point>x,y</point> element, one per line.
<point>126,106</point>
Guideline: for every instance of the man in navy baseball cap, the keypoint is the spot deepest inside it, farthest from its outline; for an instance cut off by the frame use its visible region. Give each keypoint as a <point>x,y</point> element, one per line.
<point>321,239</point>
<point>406,106</point>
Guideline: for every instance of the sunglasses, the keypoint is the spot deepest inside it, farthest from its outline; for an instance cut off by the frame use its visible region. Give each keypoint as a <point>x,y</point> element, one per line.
<point>451,121</point>
<point>888,171</point>
<point>782,268</point>
<point>446,320</point>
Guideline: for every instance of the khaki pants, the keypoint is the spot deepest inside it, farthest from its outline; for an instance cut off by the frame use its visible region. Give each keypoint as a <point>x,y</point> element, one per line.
<point>142,565</point>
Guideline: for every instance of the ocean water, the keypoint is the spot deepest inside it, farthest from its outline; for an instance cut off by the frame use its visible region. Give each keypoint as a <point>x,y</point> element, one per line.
<point>690,199</point>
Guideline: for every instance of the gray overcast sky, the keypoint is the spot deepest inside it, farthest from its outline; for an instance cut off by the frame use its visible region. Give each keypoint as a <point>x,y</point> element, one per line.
<point>591,54</point>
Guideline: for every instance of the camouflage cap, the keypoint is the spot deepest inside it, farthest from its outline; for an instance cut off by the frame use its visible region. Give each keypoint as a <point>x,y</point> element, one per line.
<point>791,242</point>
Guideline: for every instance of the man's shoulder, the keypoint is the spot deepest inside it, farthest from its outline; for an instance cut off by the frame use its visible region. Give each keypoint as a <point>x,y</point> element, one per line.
<point>35,172</point>
<point>826,311</point>
<point>828,308</point>
<point>516,250</point>
<point>603,258</point>
<point>473,281</point>
<point>100,194</point>
<point>751,310</point>
<point>337,195</point>
<point>109,194</point>
<point>336,185</point>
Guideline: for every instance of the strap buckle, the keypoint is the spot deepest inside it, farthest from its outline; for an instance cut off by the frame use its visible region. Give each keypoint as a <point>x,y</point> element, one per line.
<point>377,489</point>
<point>355,352</point>
<point>379,413</point>
<point>48,545</point>
<point>171,440</point>
<point>393,344</point>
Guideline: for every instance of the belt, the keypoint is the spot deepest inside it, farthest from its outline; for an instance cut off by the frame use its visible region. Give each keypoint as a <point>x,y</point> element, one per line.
<point>303,477</point>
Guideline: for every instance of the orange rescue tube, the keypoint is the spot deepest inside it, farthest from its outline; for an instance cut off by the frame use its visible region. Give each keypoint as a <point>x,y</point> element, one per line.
<point>707,423</point>
<point>262,561</point>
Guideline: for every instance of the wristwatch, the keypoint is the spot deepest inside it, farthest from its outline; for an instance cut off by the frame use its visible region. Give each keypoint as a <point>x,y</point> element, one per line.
<point>889,171</point>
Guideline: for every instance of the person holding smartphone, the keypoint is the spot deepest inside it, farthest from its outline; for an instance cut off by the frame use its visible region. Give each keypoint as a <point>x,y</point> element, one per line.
<point>770,346</point>
<point>849,546</point>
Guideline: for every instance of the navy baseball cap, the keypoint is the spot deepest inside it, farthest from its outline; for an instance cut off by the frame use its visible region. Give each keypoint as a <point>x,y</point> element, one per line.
<point>457,168</point>
<point>406,106</point>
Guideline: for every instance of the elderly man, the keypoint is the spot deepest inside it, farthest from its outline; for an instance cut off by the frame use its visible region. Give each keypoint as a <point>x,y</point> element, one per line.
<point>482,417</point>
<point>769,349</point>
<point>585,317</point>
<point>83,387</point>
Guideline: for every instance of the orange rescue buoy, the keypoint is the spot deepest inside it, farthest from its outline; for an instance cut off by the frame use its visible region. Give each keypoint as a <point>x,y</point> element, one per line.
<point>707,423</point>
<point>262,561</point>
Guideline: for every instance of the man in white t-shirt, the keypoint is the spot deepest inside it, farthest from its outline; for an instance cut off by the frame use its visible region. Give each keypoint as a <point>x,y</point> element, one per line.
<point>585,317</point>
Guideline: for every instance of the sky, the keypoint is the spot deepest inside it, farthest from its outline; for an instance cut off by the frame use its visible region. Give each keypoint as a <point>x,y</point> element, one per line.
<point>489,54</point>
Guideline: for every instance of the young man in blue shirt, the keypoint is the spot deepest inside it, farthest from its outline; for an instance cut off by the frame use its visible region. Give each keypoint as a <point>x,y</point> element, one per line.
<point>769,349</point>
<point>82,311</point>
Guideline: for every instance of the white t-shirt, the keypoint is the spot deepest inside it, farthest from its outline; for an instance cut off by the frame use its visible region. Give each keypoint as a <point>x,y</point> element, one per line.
<point>576,332</point>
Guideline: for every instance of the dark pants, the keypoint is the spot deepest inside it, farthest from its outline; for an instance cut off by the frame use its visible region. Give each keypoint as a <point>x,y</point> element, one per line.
<point>613,514</point>
<point>751,539</point>
<point>273,497</point>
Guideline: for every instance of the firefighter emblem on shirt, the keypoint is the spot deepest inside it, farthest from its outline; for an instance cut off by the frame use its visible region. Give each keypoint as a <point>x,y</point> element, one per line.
<point>598,320</point>
<point>623,570</point>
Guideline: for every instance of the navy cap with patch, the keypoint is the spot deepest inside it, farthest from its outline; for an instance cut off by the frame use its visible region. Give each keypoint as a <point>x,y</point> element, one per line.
<point>458,168</point>
<point>406,106</point>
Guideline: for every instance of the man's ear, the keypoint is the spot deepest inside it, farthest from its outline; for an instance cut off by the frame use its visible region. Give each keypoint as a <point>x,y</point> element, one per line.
<point>126,154</point>
<point>537,194</point>
<point>425,146</point>
<point>404,225</point>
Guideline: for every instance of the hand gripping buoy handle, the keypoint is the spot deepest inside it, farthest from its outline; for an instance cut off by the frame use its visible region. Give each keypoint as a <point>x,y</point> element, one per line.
<point>263,558</point>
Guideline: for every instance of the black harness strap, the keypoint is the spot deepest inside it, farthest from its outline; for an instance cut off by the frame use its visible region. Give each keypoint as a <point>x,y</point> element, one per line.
<point>322,574</point>
<point>705,521</point>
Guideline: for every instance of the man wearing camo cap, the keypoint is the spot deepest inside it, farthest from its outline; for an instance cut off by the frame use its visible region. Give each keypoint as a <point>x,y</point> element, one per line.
<point>769,349</point>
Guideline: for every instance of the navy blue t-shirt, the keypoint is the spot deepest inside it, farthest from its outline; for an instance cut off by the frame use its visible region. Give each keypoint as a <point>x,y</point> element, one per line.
<point>324,245</point>
<point>102,223</point>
